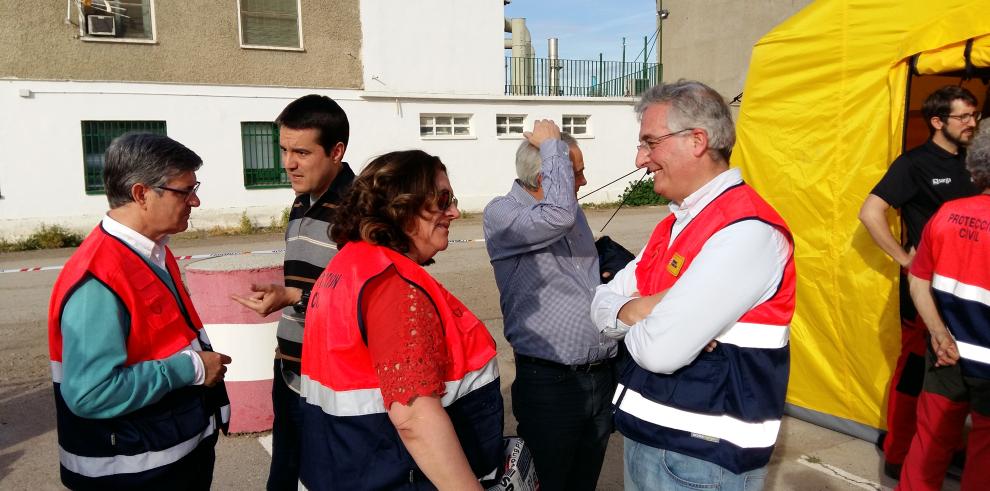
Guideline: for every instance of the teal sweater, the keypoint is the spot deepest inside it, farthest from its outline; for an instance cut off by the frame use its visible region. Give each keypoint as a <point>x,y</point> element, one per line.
<point>95,382</point>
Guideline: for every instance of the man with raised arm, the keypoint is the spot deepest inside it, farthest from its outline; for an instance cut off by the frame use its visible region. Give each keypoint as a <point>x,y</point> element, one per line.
<point>546,269</point>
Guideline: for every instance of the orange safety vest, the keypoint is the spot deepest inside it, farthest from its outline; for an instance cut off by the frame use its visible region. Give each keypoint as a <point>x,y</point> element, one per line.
<point>348,442</point>
<point>138,447</point>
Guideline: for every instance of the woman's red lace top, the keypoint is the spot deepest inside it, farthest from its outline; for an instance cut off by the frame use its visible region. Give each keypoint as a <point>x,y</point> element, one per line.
<point>405,338</point>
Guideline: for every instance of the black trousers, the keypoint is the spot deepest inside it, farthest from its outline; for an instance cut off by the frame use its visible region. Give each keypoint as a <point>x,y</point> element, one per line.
<point>286,435</point>
<point>565,418</point>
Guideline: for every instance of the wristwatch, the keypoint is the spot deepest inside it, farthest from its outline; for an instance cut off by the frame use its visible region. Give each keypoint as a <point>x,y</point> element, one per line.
<point>300,306</point>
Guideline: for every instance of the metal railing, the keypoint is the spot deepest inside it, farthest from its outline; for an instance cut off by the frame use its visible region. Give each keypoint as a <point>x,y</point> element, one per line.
<point>578,78</point>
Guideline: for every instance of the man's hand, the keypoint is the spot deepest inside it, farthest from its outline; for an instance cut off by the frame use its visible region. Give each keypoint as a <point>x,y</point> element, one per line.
<point>946,351</point>
<point>638,308</point>
<point>214,366</point>
<point>266,299</point>
<point>910,258</point>
<point>543,130</point>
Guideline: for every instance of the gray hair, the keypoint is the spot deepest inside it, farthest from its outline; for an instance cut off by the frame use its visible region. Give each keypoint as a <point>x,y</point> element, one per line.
<point>144,158</point>
<point>529,162</point>
<point>978,158</point>
<point>694,105</point>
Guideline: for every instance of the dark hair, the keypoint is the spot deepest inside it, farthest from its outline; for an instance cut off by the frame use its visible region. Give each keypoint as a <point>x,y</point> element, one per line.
<point>317,112</point>
<point>386,197</point>
<point>144,158</point>
<point>939,103</point>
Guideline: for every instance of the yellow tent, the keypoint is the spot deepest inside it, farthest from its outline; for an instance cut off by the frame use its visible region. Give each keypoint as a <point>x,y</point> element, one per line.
<point>826,108</point>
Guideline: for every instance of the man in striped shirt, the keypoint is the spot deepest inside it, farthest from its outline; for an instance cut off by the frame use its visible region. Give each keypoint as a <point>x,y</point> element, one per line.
<point>313,134</point>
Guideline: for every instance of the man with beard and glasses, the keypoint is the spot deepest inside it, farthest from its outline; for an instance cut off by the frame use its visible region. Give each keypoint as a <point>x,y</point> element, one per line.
<point>917,184</point>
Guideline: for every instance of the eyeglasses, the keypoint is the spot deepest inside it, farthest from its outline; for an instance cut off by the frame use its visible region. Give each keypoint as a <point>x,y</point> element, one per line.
<point>965,118</point>
<point>185,192</point>
<point>446,198</point>
<point>649,144</point>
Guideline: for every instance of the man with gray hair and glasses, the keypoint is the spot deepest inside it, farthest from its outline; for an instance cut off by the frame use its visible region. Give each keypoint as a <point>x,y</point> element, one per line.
<point>719,267</point>
<point>949,280</point>
<point>139,394</point>
<point>546,269</point>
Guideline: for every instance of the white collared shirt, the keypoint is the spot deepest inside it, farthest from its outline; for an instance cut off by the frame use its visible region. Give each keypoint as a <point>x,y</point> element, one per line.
<point>147,248</point>
<point>155,253</point>
<point>738,268</point>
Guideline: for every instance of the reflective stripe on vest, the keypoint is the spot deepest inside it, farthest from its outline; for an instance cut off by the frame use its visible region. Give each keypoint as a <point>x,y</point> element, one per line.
<point>961,290</point>
<point>973,352</point>
<point>361,402</point>
<point>56,366</point>
<point>130,464</point>
<point>723,427</point>
<point>749,335</point>
<point>966,329</point>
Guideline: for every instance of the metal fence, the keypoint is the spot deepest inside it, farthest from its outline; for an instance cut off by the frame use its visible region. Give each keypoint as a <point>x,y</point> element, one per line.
<point>581,78</point>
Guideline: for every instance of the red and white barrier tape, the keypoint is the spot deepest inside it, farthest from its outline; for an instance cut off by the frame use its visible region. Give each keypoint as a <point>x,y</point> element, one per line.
<point>196,256</point>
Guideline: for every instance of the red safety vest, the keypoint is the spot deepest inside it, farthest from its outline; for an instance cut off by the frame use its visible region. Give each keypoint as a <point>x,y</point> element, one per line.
<point>958,238</point>
<point>725,406</point>
<point>663,263</point>
<point>138,447</point>
<point>343,406</point>
<point>339,358</point>
<point>149,301</point>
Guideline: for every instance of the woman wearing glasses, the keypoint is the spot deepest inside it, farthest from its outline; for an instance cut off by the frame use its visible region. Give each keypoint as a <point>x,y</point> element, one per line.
<point>399,379</point>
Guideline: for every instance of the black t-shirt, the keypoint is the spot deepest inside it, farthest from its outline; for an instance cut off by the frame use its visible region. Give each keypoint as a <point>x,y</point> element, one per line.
<point>919,181</point>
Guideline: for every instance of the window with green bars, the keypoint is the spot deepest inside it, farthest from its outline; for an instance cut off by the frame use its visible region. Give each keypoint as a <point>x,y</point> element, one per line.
<point>96,137</point>
<point>262,157</point>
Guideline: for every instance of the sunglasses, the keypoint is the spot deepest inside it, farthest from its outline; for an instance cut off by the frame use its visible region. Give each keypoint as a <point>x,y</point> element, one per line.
<point>446,198</point>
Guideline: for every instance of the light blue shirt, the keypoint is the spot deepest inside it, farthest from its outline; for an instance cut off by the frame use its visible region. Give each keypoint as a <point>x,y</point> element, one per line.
<point>546,267</point>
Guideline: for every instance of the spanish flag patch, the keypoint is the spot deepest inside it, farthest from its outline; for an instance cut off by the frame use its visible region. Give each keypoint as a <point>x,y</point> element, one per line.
<point>674,266</point>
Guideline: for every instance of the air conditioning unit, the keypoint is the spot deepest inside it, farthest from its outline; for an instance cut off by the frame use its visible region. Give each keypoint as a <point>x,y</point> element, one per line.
<point>101,25</point>
<point>636,86</point>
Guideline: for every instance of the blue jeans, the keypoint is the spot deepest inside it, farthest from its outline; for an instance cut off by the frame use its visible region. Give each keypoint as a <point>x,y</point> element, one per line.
<point>286,435</point>
<point>565,418</point>
<point>653,469</point>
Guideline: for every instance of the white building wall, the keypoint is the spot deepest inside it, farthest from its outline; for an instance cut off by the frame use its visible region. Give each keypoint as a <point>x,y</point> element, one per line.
<point>433,46</point>
<point>41,172</point>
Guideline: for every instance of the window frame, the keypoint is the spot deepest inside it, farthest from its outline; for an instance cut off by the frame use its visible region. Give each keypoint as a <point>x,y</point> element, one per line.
<point>470,126</point>
<point>299,27</point>
<point>136,125</point>
<point>569,128</point>
<point>84,35</point>
<point>510,135</point>
<point>278,167</point>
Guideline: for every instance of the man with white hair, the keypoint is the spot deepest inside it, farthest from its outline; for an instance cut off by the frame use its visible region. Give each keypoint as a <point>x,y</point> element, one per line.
<point>546,268</point>
<point>720,267</point>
